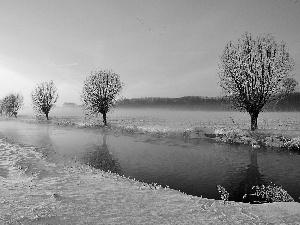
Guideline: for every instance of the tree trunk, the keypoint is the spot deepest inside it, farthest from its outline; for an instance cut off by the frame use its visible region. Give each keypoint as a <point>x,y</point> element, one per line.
<point>47,116</point>
<point>104,137</point>
<point>104,119</point>
<point>254,116</point>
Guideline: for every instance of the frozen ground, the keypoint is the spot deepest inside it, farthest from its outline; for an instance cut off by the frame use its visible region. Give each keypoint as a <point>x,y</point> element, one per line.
<point>40,187</point>
<point>275,128</point>
<point>169,119</point>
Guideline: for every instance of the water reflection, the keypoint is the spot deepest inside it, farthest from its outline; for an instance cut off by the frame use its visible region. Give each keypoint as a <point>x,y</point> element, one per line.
<point>44,138</point>
<point>99,157</point>
<point>33,134</point>
<point>192,166</point>
<point>242,183</point>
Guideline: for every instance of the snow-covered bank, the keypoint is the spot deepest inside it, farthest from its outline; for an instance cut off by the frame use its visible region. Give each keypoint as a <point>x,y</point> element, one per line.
<point>273,135</point>
<point>41,187</point>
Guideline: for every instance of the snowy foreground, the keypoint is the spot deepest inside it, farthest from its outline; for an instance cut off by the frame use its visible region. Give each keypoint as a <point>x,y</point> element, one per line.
<point>41,187</point>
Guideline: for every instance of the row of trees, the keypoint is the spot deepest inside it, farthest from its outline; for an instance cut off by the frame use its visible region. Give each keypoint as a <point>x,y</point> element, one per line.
<point>43,99</point>
<point>254,72</point>
<point>99,96</point>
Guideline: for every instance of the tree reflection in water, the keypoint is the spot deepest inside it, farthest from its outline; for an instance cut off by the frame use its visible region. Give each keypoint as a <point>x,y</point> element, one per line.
<point>99,157</point>
<point>241,184</point>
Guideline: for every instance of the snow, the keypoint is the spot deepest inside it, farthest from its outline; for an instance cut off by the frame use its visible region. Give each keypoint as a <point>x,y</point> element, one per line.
<point>41,187</point>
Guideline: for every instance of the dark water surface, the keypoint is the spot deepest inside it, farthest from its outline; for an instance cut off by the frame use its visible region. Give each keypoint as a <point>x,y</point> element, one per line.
<point>192,166</point>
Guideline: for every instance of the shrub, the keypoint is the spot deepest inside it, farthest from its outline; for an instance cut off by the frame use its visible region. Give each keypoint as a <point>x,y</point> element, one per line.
<point>292,144</point>
<point>261,194</point>
<point>272,193</point>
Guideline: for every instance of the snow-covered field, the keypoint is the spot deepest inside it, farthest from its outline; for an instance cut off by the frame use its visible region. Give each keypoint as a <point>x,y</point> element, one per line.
<point>276,129</point>
<point>174,120</point>
<point>40,187</point>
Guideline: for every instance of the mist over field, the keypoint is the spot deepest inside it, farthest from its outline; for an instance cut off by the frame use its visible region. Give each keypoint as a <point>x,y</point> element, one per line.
<point>180,118</point>
<point>56,111</point>
<point>158,106</point>
<point>289,102</point>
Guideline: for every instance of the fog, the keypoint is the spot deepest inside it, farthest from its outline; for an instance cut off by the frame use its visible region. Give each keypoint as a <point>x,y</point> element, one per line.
<point>174,115</point>
<point>56,111</point>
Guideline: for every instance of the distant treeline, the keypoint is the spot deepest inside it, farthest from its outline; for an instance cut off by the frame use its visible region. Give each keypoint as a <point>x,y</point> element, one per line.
<point>188,102</point>
<point>290,103</point>
<point>70,104</point>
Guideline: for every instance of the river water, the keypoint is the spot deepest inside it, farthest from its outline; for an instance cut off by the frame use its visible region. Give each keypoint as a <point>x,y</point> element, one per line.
<point>191,166</point>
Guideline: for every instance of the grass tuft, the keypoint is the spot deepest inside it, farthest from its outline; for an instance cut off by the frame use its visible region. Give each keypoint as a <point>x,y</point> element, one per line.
<point>261,194</point>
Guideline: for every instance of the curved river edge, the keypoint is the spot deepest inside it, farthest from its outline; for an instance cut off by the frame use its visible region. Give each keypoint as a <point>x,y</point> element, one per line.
<point>39,186</point>
<point>234,134</point>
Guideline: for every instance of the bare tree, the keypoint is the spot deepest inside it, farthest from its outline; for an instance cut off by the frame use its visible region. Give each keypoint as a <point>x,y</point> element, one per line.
<point>100,92</point>
<point>1,107</point>
<point>43,97</point>
<point>11,104</point>
<point>289,85</point>
<point>252,73</point>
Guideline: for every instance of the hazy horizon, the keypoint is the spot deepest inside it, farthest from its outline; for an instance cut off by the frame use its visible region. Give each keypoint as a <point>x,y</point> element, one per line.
<point>162,48</point>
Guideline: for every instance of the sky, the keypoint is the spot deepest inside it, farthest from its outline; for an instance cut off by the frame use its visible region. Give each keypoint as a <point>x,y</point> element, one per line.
<point>161,48</point>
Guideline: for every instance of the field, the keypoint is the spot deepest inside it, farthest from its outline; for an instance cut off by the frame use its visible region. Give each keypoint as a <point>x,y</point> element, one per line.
<point>276,129</point>
<point>41,187</point>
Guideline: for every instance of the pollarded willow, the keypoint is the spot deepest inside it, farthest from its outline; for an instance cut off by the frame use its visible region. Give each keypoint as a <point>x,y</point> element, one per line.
<point>43,98</point>
<point>252,73</point>
<point>100,92</point>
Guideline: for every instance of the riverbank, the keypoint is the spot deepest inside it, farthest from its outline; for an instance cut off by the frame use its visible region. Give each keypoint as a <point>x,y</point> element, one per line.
<point>283,133</point>
<point>41,187</point>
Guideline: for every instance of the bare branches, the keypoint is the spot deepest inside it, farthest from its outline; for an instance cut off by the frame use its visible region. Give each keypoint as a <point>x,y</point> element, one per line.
<point>11,104</point>
<point>43,97</point>
<point>252,72</point>
<point>100,92</point>
<point>289,85</point>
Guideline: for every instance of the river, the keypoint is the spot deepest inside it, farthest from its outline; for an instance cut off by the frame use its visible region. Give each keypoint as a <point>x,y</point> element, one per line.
<point>191,166</point>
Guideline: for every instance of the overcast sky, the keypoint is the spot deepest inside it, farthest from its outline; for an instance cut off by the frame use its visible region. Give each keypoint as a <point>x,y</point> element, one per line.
<point>159,48</point>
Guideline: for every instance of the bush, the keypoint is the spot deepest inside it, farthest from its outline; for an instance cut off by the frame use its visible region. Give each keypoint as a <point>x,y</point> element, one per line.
<point>233,135</point>
<point>261,194</point>
<point>272,193</point>
<point>292,144</point>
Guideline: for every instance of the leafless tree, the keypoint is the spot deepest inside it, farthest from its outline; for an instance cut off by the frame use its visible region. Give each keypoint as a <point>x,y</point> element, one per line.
<point>100,157</point>
<point>100,92</point>
<point>290,85</point>
<point>11,104</point>
<point>252,73</point>
<point>1,107</point>
<point>44,97</point>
